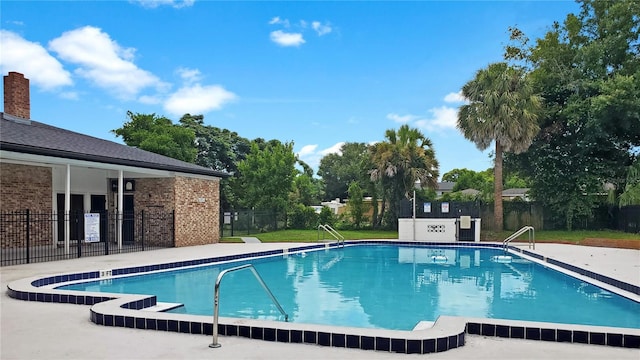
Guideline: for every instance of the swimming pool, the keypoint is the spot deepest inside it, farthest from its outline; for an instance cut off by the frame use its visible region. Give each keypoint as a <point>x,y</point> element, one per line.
<point>386,287</point>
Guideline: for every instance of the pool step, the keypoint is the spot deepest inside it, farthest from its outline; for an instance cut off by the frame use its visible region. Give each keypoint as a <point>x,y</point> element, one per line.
<point>423,325</point>
<point>163,306</point>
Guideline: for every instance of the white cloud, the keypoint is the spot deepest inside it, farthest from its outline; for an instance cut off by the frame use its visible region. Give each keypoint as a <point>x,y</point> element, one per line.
<point>189,76</point>
<point>149,100</point>
<point>307,150</point>
<point>335,149</point>
<point>402,119</point>
<point>321,29</point>
<point>33,61</point>
<point>69,95</point>
<point>286,39</point>
<point>103,62</point>
<point>276,20</point>
<point>439,118</point>
<point>455,97</point>
<point>442,118</point>
<point>198,99</point>
<point>152,4</point>
<point>311,156</point>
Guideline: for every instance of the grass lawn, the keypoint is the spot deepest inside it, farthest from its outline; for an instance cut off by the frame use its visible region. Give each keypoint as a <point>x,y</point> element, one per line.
<point>562,236</point>
<point>314,235</point>
<point>540,236</point>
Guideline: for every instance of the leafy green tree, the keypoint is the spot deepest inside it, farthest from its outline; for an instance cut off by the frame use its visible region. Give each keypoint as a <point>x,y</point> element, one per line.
<point>218,149</point>
<point>469,179</point>
<point>631,193</point>
<point>302,217</point>
<point>266,176</point>
<point>327,217</point>
<point>356,204</point>
<point>158,135</point>
<point>339,170</point>
<point>404,158</point>
<point>454,175</point>
<point>588,71</point>
<point>502,108</point>
<point>514,180</point>
<point>352,163</point>
<point>306,188</point>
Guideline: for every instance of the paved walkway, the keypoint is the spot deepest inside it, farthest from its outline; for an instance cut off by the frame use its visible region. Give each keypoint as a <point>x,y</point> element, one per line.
<point>251,240</point>
<point>34,330</point>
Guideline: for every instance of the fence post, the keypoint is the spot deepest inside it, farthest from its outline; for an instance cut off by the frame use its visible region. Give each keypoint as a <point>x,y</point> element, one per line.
<point>142,235</point>
<point>77,225</point>
<point>173,233</point>
<point>28,234</point>
<point>106,231</point>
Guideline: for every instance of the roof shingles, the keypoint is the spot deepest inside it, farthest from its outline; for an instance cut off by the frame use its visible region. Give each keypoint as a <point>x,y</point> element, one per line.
<point>41,139</point>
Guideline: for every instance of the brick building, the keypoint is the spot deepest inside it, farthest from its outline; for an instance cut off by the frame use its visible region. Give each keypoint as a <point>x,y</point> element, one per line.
<point>51,170</point>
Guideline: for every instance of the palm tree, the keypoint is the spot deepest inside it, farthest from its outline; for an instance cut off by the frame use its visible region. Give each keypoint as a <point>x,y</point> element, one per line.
<point>404,158</point>
<point>501,108</point>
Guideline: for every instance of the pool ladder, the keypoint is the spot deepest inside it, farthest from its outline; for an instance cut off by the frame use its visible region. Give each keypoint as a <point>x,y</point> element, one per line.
<point>332,231</point>
<point>216,298</point>
<point>532,238</point>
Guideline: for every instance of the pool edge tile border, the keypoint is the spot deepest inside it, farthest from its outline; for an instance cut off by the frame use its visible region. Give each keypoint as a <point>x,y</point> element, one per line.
<point>121,310</point>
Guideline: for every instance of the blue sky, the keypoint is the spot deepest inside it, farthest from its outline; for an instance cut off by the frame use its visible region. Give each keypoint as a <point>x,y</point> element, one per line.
<point>317,74</point>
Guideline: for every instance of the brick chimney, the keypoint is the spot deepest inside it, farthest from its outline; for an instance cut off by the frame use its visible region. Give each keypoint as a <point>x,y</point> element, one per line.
<point>16,95</point>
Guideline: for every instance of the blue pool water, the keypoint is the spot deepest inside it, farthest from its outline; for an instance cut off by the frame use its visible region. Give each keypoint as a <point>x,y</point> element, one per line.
<point>384,286</point>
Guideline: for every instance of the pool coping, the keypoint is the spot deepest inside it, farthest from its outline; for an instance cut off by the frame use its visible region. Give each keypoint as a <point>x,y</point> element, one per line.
<point>122,310</point>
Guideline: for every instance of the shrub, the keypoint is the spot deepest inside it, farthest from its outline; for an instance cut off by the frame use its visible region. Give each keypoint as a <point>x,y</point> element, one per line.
<point>302,217</point>
<point>326,217</point>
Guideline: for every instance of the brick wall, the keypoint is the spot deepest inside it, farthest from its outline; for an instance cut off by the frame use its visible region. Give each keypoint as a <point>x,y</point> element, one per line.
<point>156,197</point>
<point>25,187</point>
<point>197,216</point>
<point>151,194</point>
<point>154,194</point>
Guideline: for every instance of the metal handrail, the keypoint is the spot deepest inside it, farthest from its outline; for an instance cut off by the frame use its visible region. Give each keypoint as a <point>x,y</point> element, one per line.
<point>532,237</point>
<point>216,299</point>
<point>332,231</point>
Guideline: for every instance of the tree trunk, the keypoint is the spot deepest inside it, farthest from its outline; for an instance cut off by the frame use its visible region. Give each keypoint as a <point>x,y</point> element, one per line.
<point>382,210</point>
<point>497,189</point>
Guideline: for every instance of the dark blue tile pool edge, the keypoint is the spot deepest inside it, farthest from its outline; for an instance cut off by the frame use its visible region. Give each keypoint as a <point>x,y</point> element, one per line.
<point>363,342</point>
<point>338,339</point>
<point>554,335</point>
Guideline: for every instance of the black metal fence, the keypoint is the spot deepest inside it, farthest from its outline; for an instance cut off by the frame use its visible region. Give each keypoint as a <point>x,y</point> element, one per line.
<point>28,236</point>
<point>440,209</point>
<point>629,219</point>
<point>247,222</point>
<point>517,214</point>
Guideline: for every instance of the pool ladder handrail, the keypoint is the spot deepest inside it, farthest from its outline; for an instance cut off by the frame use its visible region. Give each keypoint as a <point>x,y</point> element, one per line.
<point>216,298</point>
<point>532,237</point>
<point>332,231</point>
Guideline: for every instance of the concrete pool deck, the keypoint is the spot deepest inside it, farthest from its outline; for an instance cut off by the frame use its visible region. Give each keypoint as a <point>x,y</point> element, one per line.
<point>36,330</point>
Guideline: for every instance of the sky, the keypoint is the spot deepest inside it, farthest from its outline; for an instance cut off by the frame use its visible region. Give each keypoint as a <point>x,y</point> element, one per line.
<point>315,73</point>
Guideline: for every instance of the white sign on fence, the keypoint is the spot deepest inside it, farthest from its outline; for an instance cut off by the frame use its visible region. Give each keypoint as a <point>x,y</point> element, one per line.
<point>91,227</point>
<point>445,207</point>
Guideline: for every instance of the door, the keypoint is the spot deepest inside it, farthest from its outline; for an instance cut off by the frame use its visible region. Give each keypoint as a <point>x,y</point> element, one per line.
<point>128,220</point>
<point>76,217</point>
